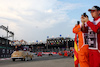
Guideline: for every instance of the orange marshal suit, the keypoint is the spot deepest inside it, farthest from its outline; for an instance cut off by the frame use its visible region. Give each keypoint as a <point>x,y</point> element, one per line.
<point>83,52</point>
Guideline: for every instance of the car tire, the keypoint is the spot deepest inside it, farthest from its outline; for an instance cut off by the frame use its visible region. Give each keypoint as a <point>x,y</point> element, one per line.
<point>26,59</point>
<point>22,59</point>
<point>13,59</point>
<point>32,58</point>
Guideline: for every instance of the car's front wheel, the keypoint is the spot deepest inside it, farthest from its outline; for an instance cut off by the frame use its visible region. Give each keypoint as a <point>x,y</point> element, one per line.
<point>22,59</point>
<point>25,59</point>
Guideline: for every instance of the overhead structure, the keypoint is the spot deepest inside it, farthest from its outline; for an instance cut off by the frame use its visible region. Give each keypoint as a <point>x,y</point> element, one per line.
<point>6,29</point>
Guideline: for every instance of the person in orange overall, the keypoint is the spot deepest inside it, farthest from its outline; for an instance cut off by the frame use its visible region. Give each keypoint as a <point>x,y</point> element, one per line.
<point>83,53</point>
<point>60,53</point>
<point>65,53</point>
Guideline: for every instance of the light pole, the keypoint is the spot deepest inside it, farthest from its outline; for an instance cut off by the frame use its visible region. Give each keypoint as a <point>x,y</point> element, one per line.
<point>36,45</point>
<point>6,29</point>
<point>67,44</point>
<point>47,43</point>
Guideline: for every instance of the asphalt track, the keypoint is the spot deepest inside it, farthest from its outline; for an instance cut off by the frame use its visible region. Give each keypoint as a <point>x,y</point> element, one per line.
<point>44,61</point>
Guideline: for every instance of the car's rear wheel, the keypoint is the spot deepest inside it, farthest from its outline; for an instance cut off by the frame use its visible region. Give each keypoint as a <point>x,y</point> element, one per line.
<point>32,57</point>
<point>13,59</point>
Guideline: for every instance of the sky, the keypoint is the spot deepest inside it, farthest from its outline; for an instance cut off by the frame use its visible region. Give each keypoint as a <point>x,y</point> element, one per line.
<point>33,20</point>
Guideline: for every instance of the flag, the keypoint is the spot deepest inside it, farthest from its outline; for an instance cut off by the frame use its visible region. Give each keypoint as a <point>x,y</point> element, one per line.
<point>76,52</point>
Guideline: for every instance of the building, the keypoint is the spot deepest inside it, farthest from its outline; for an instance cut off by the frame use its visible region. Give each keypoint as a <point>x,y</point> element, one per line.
<point>5,48</point>
<point>59,43</point>
<point>38,47</point>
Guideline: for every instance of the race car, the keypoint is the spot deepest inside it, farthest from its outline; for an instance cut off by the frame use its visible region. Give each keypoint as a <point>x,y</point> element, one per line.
<point>63,53</point>
<point>23,55</point>
<point>39,54</point>
<point>50,54</point>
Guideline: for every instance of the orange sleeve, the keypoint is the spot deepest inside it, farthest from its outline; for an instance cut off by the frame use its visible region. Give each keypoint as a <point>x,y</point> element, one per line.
<point>76,29</point>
